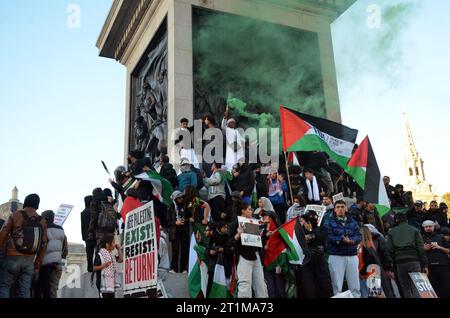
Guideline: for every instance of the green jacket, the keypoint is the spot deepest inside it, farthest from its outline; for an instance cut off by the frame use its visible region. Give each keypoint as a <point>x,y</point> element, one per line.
<point>405,244</point>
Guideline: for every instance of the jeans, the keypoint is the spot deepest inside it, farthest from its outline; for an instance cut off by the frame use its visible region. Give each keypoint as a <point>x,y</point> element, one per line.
<point>90,249</point>
<point>48,281</point>
<point>18,271</point>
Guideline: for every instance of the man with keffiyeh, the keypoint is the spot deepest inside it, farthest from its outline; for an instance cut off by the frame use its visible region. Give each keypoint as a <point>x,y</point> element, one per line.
<point>315,188</point>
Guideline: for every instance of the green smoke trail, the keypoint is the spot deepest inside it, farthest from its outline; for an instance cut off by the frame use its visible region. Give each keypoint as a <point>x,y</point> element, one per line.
<point>379,52</point>
<point>264,64</point>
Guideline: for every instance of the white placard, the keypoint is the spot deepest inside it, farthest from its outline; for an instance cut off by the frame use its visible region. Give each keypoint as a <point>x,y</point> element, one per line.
<point>337,197</point>
<point>252,232</point>
<point>140,254</point>
<point>62,213</point>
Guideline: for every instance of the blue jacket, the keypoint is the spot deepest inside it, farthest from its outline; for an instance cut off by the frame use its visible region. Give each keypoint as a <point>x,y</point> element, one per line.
<point>337,230</point>
<point>186,179</point>
<point>277,198</point>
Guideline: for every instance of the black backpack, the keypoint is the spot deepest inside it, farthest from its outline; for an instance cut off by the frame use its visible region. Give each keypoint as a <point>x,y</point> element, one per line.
<point>29,239</point>
<point>107,218</point>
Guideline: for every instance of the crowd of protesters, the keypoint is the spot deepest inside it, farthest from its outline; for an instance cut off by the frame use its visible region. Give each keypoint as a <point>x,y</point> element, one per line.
<point>340,249</point>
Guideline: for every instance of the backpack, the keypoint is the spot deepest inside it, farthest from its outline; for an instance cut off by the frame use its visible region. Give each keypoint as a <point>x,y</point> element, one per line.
<point>29,239</point>
<point>107,218</point>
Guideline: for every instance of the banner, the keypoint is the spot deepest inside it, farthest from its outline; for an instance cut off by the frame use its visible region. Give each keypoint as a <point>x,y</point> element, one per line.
<point>62,213</point>
<point>423,285</point>
<point>252,232</point>
<point>140,253</point>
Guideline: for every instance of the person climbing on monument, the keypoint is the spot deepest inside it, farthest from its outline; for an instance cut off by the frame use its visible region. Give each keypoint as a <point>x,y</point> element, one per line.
<point>215,186</point>
<point>405,244</point>
<point>297,209</point>
<point>234,149</point>
<point>187,177</point>
<point>277,189</point>
<point>343,238</point>
<point>314,187</point>
<point>243,181</point>
<point>250,273</point>
<point>179,232</point>
<point>437,250</point>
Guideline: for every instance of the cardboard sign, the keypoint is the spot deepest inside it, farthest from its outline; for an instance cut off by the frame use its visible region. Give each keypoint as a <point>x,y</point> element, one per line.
<point>62,213</point>
<point>337,197</point>
<point>252,232</point>
<point>140,254</point>
<point>423,285</point>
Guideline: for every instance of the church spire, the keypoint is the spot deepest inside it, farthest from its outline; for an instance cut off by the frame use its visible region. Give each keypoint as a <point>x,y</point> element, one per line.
<point>410,148</point>
<point>412,160</point>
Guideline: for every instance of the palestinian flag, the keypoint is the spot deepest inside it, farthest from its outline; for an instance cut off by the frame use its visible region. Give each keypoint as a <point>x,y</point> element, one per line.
<point>301,132</point>
<point>198,270</point>
<point>219,286</point>
<point>162,188</point>
<point>284,241</point>
<point>283,248</point>
<point>363,167</point>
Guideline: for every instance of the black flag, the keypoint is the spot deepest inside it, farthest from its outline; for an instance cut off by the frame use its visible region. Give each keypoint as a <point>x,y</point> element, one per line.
<point>104,166</point>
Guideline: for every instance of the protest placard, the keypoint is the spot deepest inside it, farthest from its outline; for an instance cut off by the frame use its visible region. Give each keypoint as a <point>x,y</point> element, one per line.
<point>140,253</point>
<point>319,209</point>
<point>337,197</point>
<point>252,232</point>
<point>423,285</point>
<point>62,213</point>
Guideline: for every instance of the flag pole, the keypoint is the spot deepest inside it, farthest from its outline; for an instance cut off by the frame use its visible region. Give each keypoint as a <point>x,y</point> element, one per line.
<point>289,178</point>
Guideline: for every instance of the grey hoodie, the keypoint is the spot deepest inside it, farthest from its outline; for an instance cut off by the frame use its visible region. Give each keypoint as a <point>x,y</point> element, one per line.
<point>215,185</point>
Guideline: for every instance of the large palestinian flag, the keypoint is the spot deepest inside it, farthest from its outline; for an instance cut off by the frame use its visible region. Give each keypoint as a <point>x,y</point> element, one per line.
<point>363,167</point>
<point>301,132</point>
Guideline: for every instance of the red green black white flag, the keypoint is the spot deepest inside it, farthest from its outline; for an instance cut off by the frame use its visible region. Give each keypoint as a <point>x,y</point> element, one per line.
<point>363,167</point>
<point>302,132</point>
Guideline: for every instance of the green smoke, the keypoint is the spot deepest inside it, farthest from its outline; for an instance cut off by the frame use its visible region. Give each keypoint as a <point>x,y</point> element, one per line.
<point>264,64</point>
<point>360,49</point>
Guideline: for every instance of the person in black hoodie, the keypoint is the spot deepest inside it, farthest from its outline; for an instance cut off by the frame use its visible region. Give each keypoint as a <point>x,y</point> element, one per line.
<point>218,246</point>
<point>179,233</point>
<point>313,279</point>
<point>244,181</point>
<point>262,187</point>
<point>168,172</point>
<point>437,250</point>
<point>90,243</point>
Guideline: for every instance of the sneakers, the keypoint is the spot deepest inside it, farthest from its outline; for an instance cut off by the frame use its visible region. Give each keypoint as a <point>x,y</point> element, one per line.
<point>184,272</point>
<point>172,271</point>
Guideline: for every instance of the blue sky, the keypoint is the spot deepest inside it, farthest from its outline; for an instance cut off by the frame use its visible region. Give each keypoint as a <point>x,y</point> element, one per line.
<point>62,106</point>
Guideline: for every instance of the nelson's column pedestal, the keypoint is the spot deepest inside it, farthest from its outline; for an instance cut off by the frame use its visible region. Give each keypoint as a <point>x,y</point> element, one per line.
<point>183,57</point>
